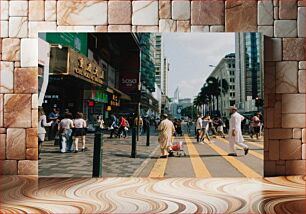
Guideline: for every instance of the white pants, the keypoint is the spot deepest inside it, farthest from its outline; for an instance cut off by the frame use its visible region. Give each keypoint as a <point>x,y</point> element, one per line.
<point>232,146</point>
<point>64,143</point>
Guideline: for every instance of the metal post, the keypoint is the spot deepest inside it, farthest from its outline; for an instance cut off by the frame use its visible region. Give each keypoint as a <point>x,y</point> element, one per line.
<point>138,118</point>
<point>133,153</point>
<point>98,153</point>
<point>148,135</point>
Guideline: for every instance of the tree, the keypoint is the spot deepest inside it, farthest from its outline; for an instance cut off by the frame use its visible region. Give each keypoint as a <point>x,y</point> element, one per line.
<point>214,85</point>
<point>189,111</point>
<point>212,89</point>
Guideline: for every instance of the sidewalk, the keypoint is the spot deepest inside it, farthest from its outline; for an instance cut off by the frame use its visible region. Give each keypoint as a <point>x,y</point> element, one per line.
<point>116,158</point>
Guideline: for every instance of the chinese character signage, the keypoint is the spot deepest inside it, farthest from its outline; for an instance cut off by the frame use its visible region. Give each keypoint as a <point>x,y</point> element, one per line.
<point>114,100</point>
<point>83,68</point>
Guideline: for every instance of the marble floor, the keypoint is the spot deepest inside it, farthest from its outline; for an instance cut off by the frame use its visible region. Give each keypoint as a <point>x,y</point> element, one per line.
<point>148,195</point>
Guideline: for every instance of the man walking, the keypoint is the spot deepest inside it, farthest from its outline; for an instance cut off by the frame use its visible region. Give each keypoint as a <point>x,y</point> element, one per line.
<point>199,127</point>
<point>235,134</point>
<point>140,124</point>
<point>166,130</point>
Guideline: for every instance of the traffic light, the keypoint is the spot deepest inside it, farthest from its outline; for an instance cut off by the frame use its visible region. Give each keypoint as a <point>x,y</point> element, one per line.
<point>91,103</point>
<point>258,102</point>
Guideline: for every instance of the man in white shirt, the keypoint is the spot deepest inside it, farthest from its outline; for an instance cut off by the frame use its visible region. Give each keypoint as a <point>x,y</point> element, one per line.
<point>235,133</point>
<point>199,127</point>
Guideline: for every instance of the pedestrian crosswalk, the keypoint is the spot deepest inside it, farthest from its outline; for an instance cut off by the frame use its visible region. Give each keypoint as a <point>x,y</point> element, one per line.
<point>198,165</point>
<point>215,162</point>
<point>250,152</point>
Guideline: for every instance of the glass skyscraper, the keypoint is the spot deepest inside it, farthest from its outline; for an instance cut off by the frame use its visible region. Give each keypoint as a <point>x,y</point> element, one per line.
<point>249,72</point>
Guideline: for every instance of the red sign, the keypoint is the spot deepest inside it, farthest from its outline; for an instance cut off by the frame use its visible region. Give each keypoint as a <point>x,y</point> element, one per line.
<point>91,103</point>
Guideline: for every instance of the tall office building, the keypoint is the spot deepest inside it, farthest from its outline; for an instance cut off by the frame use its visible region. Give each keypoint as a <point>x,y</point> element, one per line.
<point>158,59</point>
<point>249,78</point>
<point>148,104</point>
<point>165,76</point>
<point>147,43</point>
<point>225,69</point>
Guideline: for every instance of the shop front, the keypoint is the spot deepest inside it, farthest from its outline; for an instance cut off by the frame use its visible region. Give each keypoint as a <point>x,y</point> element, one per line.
<point>73,79</point>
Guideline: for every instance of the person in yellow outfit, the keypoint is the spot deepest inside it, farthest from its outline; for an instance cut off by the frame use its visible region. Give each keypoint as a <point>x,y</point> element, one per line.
<point>166,130</point>
<point>140,124</point>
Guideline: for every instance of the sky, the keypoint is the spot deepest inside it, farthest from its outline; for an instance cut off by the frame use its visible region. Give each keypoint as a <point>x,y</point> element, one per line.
<point>190,55</point>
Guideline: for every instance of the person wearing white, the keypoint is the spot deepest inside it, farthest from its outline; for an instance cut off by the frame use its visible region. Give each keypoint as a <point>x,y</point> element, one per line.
<point>42,123</point>
<point>166,130</point>
<point>199,127</point>
<point>205,128</point>
<point>65,130</point>
<point>235,133</point>
<point>80,132</point>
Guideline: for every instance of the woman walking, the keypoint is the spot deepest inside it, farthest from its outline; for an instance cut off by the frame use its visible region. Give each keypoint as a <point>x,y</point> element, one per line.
<point>205,128</point>
<point>256,125</point>
<point>80,132</point>
<point>42,123</point>
<point>65,131</point>
<point>122,127</point>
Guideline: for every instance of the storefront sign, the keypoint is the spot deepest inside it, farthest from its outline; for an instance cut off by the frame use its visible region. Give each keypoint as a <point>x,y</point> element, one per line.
<point>114,100</point>
<point>84,68</point>
<point>77,41</point>
<point>129,82</point>
<point>100,97</point>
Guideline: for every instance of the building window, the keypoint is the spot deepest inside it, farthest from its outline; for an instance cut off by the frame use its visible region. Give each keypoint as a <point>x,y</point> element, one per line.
<point>232,94</point>
<point>232,87</point>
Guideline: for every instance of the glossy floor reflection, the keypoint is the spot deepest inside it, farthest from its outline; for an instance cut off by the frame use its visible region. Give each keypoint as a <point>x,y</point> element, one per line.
<point>140,195</point>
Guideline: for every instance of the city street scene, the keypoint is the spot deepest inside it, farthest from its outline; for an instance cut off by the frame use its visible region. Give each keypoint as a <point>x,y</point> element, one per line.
<point>151,105</point>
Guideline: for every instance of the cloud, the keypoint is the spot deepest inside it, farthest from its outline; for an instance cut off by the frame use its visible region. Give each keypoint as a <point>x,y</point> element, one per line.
<point>190,55</point>
<point>190,87</point>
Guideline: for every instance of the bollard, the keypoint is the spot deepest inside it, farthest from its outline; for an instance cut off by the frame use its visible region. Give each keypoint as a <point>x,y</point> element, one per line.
<point>148,136</point>
<point>133,153</point>
<point>98,153</point>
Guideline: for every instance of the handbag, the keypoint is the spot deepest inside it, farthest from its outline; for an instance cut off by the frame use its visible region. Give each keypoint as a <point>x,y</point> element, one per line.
<point>126,128</point>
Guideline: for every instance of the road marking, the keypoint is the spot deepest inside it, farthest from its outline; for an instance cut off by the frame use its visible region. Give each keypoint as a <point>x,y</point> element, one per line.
<point>145,163</point>
<point>248,137</point>
<point>159,168</point>
<point>241,167</point>
<point>255,154</point>
<point>199,167</point>
<point>255,144</point>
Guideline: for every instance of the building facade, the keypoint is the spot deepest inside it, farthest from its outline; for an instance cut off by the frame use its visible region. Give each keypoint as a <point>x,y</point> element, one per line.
<point>249,58</point>
<point>148,104</point>
<point>158,59</point>
<point>165,76</point>
<point>86,72</point>
<point>225,69</point>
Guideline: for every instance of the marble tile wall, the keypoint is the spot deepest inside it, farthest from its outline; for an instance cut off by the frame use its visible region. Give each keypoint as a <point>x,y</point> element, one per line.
<point>283,21</point>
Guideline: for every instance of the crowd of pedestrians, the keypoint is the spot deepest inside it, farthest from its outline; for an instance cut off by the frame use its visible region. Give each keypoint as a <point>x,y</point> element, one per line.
<point>205,127</point>
<point>69,131</point>
<point>63,128</point>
